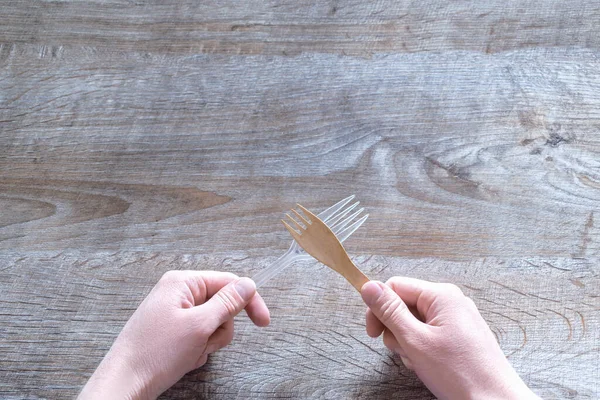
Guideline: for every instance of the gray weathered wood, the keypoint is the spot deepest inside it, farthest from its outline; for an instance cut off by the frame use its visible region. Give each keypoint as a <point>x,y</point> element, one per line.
<point>287,27</point>
<point>504,146</point>
<point>140,136</point>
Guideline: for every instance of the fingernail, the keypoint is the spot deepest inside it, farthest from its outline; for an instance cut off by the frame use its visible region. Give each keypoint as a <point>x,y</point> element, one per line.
<point>370,292</point>
<point>245,288</point>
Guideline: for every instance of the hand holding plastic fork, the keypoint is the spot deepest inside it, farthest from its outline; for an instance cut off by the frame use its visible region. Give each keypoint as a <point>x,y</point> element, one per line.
<point>338,220</point>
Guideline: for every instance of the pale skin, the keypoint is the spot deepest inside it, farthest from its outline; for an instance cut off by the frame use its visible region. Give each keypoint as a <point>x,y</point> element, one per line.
<point>436,330</point>
<point>439,334</point>
<point>187,316</point>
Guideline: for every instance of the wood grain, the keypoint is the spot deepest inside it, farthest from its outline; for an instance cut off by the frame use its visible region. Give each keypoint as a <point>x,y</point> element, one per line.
<point>505,146</point>
<point>140,136</point>
<point>285,27</point>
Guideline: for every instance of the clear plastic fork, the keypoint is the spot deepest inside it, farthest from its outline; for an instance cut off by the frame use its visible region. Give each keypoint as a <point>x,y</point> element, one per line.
<point>338,220</point>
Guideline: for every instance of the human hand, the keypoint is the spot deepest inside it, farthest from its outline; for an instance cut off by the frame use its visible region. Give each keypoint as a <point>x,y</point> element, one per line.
<point>439,333</point>
<point>186,316</point>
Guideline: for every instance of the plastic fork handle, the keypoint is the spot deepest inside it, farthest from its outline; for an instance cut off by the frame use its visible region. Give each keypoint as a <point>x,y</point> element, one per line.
<point>267,273</point>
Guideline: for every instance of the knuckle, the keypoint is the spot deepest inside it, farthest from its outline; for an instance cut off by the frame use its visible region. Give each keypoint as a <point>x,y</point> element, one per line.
<point>392,280</point>
<point>228,301</point>
<point>198,333</point>
<point>452,289</point>
<point>229,275</point>
<point>391,309</point>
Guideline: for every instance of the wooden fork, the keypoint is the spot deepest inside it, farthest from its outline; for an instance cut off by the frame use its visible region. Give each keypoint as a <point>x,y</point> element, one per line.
<point>320,242</point>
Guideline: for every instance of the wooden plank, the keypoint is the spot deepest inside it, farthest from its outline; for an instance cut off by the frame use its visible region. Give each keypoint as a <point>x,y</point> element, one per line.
<point>182,129</point>
<point>285,27</point>
<point>60,311</point>
<point>181,153</point>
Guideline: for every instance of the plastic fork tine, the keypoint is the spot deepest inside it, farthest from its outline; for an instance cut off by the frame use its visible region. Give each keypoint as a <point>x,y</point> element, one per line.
<point>342,214</point>
<point>299,227</point>
<point>331,211</point>
<point>295,252</point>
<point>305,222</point>
<point>342,224</point>
<point>346,233</point>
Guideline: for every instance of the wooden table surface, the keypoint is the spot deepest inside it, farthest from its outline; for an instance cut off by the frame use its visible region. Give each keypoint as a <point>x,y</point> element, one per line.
<point>142,136</point>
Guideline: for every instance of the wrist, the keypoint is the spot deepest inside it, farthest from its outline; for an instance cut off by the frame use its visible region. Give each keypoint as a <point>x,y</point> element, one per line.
<point>505,393</point>
<point>505,385</point>
<point>116,377</point>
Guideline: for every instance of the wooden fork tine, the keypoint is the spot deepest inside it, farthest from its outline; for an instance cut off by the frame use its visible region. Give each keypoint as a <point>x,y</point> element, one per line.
<point>308,213</point>
<point>299,227</point>
<point>301,218</point>
<point>292,231</point>
<point>321,242</point>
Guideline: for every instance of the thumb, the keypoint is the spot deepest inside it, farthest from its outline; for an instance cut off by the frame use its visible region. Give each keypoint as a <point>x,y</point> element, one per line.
<point>389,308</point>
<point>227,303</point>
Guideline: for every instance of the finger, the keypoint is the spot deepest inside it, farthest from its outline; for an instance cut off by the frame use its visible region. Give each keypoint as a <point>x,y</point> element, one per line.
<point>258,312</point>
<point>421,294</point>
<point>226,303</point>
<point>202,284</point>
<point>201,360</point>
<point>389,308</point>
<point>410,289</point>
<point>416,313</point>
<point>221,338</point>
<point>400,351</point>
<point>389,340</point>
<point>407,363</point>
<point>374,326</point>
<point>414,292</point>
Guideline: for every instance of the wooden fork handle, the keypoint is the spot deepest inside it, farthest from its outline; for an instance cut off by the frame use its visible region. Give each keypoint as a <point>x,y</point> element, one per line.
<point>354,275</point>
